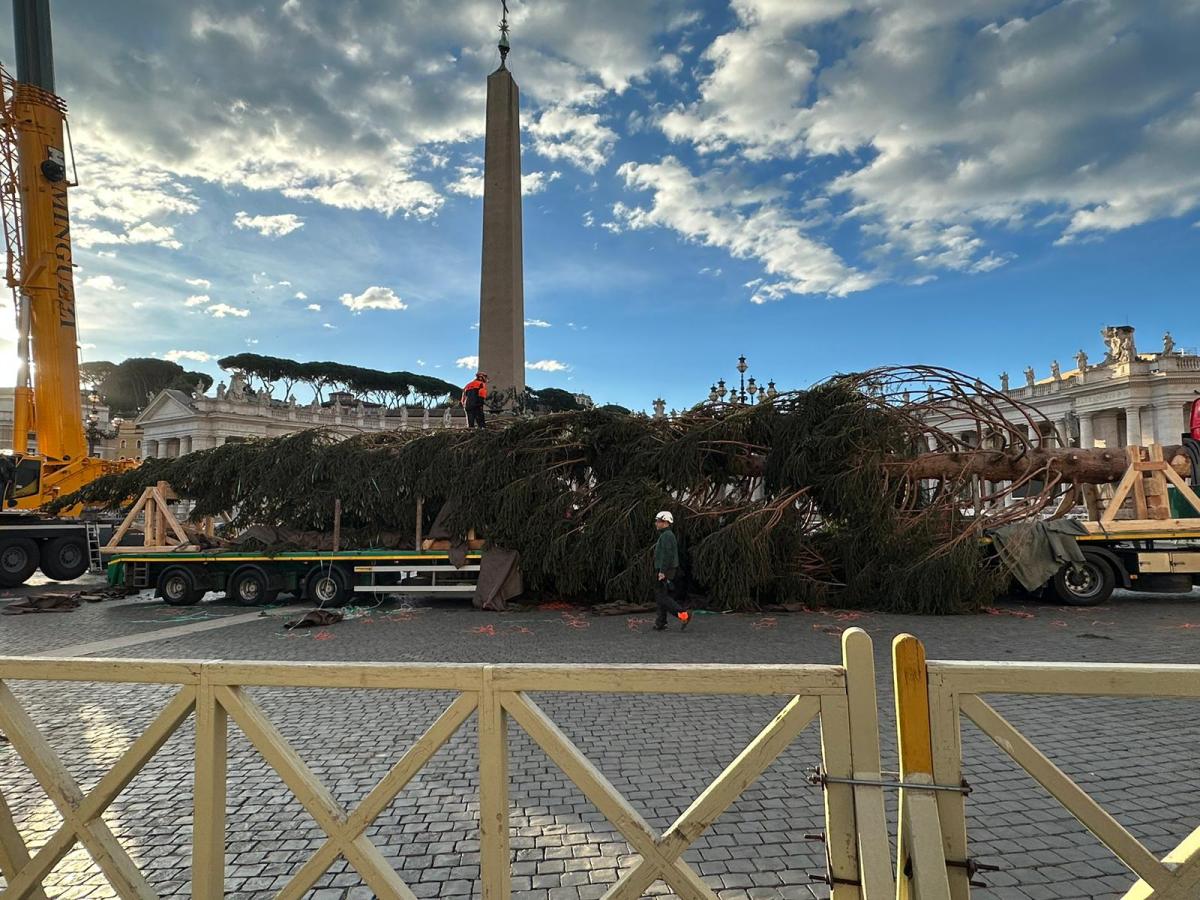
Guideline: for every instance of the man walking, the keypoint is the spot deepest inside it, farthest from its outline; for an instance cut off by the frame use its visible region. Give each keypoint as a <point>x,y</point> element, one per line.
<point>473,396</point>
<point>666,568</point>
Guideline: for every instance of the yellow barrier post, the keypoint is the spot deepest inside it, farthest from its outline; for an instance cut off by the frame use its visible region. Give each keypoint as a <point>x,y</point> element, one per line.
<point>920,858</point>
<point>208,817</point>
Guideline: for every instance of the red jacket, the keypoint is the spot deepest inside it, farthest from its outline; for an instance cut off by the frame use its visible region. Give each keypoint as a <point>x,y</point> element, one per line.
<point>474,394</point>
<point>1195,424</point>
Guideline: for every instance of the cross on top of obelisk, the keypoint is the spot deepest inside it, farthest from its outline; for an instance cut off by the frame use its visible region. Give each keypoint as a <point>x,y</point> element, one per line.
<point>503,45</point>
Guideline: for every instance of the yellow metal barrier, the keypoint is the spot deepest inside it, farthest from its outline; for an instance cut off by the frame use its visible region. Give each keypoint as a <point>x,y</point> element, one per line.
<point>956,688</point>
<point>841,698</point>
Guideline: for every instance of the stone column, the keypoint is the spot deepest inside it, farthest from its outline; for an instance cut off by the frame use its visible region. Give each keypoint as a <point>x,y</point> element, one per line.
<point>1087,431</point>
<point>149,449</point>
<point>185,445</point>
<point>1133,426</point>
<point>502,280</point>
<point>1170,421</point>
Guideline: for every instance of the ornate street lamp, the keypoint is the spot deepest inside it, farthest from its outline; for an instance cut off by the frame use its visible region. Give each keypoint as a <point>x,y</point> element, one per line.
<point>748,390</point>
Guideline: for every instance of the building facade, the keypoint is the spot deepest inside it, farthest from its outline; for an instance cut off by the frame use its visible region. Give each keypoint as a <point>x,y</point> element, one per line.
<point>1126,398</point>
<point>176,423</point>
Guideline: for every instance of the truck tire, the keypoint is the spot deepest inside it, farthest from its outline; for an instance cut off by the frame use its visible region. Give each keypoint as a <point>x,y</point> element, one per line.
<point>1089,584</point>
<point>177,587</point>
<point>327,587</point>
<point>248,586</point>
<point>64,558</point>
<point>18,560</point>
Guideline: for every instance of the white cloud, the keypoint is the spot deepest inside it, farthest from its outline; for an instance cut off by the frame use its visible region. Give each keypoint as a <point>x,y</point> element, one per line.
<point>941,127</point>
<point>714,211</point>
<point>467,362</point>
<point>269,226</point>
<point>373,298</point>
<point>421,363</point>
<point>536,323</point>
<point>102,283</point>
<point>221,310</point>
<point>192,355</point>
<point>329,325</point>
<point>197,300</point>
<point>577,137</point>
<point>315,307</point>
<point>470,182</point>
<point>300,295</point>
<point>203,283</point>
<point>547,365</point>
<point>536,182</point>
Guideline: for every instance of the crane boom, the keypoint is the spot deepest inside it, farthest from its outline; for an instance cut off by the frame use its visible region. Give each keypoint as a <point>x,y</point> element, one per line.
<point>37,229</point>
<point>46,285</point>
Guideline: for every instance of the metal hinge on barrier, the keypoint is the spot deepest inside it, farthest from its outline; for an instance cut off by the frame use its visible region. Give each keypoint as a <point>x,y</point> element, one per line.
<point>972,866</point>
<point>828,878</point>
<point>818,776</point>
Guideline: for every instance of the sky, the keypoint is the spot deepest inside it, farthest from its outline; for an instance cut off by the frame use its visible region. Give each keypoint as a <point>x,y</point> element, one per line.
<point>821,185</point>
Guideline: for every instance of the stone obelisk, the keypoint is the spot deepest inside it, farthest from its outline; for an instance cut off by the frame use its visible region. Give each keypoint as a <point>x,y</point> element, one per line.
<point>502,285</point>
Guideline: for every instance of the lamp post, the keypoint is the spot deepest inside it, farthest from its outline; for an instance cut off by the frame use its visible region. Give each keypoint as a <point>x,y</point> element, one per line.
<point>748,390</point>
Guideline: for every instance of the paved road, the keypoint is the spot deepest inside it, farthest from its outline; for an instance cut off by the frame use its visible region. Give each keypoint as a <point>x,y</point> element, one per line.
<point>1137,757</point>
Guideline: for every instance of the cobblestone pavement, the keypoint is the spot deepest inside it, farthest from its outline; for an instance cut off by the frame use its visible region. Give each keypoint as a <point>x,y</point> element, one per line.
<point>1136,757</point>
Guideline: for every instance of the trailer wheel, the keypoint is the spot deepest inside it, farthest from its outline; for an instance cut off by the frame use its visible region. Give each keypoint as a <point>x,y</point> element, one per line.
<point>177,587</point>
<point>327,587</point>
<point>248,586</point>
<point>18,560</point>
<point>64,558</point>
<point>1088,584</point>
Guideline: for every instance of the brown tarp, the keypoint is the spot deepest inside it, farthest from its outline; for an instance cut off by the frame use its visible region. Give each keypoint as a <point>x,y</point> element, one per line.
<point>499,580</point>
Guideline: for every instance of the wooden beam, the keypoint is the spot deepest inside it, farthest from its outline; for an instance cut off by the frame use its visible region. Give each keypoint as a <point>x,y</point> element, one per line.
<point>1131,476</point>
<point>14,854</point>
<point>673,679</point>
<point>115,541</point>
<point>874,846</point>
<point>382,795</point>
<point>1073,798</point>
<point>913,741</point>
<point>1141,510</point>
<point>360,852</point>
<point>495,872</point>
<point>598,789</point>
<point>208,801</point>
<point>114,781</point>
<point>946,737</point>
<point>922,833</point>
<point>1169,682</point>
<point>63,791</point>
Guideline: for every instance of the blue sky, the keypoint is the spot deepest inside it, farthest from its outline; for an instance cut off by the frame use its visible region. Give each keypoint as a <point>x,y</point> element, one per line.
<point>822,185</point>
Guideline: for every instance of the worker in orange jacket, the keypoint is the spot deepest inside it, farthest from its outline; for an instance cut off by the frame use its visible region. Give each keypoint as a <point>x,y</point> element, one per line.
<point>473,397</point>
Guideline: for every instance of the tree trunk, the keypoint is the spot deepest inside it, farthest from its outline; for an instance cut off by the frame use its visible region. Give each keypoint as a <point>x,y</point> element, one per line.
<point>1074,465</point>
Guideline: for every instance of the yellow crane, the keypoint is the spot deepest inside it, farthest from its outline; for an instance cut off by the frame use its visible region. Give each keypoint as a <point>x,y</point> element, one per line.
<point>34,184</point>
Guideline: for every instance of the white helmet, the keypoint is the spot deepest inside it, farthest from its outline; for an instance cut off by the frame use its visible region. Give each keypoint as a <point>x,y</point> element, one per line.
<point>665,516</point>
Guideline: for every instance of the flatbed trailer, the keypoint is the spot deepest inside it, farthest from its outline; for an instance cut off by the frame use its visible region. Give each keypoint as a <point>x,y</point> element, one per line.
<point>327,579</point>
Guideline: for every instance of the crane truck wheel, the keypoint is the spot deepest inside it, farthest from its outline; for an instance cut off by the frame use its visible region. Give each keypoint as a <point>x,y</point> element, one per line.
<point>64,558</point>
<point>327,587</point>
<point>1089,584</point>
<point>18,560</point>
<point>177,587</point>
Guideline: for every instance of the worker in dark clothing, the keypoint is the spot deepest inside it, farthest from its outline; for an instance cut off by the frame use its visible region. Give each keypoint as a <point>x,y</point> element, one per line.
<point>666,568</point>
<point>473,397</point>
